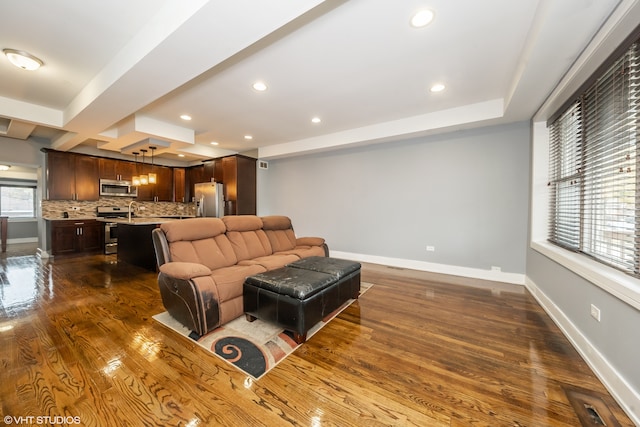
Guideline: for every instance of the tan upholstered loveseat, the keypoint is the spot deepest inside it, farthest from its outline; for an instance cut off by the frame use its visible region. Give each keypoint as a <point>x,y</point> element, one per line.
<point>203,263</point>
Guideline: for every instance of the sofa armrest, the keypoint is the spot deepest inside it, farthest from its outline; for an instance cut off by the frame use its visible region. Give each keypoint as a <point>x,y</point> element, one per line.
<point>160,246</point>
<point>184,270</point>
<point>309,241</point>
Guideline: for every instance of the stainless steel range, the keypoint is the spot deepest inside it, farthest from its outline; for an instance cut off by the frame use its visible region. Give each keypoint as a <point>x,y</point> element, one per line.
<point>111,228</point>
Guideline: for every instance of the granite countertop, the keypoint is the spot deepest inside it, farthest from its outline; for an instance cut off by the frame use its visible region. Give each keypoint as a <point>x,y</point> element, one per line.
<point>78,218</point>
<point>144,220</point>
<point>137,220</point>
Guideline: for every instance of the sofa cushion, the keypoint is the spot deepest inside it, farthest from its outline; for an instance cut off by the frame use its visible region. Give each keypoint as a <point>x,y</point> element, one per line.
<point>192,229</point>
<point>271,262</point>
<point>279,232</point>
<point>199,240</point>
<point>247,237</point>
<point>304,251</point>
<point>276,222</point>
<point>242,222</point>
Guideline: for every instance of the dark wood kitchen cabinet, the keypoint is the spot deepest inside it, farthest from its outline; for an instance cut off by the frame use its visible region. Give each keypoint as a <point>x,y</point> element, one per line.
<point>239,179</point>
<point>162,191</point>
<point>72,176</point>
<point>193,175</point>
<point>76,236</point>
<point>179,193</point>
<point>119,170</point>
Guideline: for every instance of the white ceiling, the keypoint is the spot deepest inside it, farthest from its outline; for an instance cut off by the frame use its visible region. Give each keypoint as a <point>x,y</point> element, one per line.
<point>118,74</point>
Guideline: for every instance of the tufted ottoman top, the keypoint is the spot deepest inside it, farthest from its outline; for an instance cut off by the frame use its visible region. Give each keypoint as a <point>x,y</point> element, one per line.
<point>294,282</point>
<point>335,266</point>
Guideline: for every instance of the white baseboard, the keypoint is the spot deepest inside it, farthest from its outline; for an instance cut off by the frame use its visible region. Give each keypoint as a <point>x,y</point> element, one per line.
<point>453,270</point>
<point>621,391</point>
<point>22,240</point>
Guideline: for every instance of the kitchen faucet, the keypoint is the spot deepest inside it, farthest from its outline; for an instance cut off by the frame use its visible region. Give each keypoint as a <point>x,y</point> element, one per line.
<point>130,205</point>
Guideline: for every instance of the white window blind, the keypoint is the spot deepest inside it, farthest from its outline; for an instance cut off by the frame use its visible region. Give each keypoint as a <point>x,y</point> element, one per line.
<point>593,170</point>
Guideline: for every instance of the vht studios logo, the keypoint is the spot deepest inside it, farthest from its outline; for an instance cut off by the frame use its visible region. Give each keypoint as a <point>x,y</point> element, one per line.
<point>41,419</point>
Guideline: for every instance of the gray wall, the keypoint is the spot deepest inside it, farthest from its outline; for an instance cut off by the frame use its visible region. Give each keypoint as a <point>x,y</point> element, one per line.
<point>25,153</point>
<point>465,193</point>
<point>616,336</point>
<point>21,229</point>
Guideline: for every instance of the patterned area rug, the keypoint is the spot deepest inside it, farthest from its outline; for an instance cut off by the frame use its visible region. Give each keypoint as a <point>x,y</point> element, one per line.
<point>253,347</point>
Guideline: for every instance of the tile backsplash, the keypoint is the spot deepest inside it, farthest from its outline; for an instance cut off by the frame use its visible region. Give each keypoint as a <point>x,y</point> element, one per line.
<point>53,209</point>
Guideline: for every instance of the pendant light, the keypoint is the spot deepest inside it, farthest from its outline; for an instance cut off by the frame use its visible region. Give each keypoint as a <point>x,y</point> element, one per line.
<point>144,178</point>
<point>135,180</point>
<point>152,176</point>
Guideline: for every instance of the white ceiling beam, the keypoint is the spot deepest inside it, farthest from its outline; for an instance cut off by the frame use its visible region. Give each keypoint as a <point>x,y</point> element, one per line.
<point>24,111</point>
<point>20,130</point>
<point>412,126</point>
<point>183,41</point>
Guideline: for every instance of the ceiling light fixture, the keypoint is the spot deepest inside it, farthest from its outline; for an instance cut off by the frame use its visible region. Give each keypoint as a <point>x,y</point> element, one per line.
<point>422,18</point>
<point>22,59</point>
<point>4,167</point>
<point>180,155</point>
<point>316,120</point>
<point>439,87</point>
<point>260,86</point>
<point>152,176</point>
<point>213,143</point>
<point>185,117</point>
<point>248,137</point>
<point>144,178</point>
<point>135,179</point>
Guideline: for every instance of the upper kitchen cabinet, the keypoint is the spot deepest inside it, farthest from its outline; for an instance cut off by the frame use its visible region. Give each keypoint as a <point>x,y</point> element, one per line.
<point>239,179</point>
<point>119,170</point>
<point>194,175</point>
<point>213,171</point>
<point>179,183</point>
<point>72,176</point>
<point>162,191</point>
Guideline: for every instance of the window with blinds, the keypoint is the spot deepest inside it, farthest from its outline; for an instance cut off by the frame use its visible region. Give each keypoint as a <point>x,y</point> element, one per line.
<point>593,174</point>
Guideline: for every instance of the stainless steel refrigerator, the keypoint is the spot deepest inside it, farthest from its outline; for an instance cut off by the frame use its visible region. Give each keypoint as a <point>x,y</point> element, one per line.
<point>209,199</point>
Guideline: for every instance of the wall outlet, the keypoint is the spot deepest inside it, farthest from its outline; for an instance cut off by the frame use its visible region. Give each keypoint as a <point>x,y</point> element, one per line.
<point>495,268</point>
<point>431,248</point>
<point>595,312</point>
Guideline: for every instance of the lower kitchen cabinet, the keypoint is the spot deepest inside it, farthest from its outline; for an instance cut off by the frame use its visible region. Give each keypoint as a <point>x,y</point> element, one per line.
<point>76,236</point>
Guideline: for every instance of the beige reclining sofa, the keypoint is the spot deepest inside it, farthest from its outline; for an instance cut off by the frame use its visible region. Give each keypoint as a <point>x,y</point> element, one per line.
<point>203,263</point>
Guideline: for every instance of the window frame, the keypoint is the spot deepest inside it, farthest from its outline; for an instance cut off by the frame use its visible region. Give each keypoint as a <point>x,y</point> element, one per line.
<point>33,188</point>
<point>596,57</point>
<point>593,167</point>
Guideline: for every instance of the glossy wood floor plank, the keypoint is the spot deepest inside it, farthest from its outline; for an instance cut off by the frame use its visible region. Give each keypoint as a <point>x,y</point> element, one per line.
<point>77,339</point>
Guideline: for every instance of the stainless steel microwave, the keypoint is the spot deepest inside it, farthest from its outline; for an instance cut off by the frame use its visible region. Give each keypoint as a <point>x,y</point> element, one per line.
<point>111,187</point>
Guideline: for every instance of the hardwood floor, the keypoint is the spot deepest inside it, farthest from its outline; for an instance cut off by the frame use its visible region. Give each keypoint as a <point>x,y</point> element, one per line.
<point>77,340</point>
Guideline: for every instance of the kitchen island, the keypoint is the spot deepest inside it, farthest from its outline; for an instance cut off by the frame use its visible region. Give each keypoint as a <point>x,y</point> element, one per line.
<point>135,245</point>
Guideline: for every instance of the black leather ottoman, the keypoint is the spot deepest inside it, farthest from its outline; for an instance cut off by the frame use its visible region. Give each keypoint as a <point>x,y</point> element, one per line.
<point>298,296</point>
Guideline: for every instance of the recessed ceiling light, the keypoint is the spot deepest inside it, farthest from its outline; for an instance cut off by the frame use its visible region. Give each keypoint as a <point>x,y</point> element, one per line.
<point>316,120</point>
<point>22,59</point>
<point>439,87</point>
<point>214,143</point>
<point>260,86</point>
<point>248,137</point>
<point>4,167</point>
<point>185,117</point>
<point>422,18</point>
<point>180,155</point>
